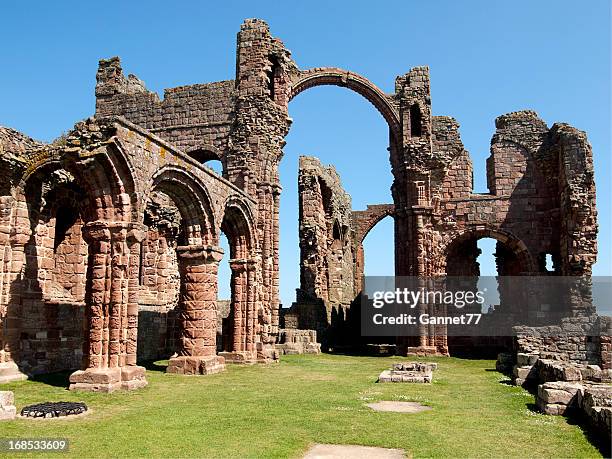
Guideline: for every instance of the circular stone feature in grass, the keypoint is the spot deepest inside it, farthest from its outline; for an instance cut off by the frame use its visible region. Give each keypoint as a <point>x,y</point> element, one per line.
<point>53,409</point>
<point>398,407</point>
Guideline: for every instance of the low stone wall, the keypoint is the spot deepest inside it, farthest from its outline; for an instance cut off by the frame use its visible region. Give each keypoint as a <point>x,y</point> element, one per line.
<point>51,337</point>
<point>293,341</point>
<point>156,326</point>
<point>582,340</point>
<point>591,401</point>
<point>565,386</point>
<point>532,370</point>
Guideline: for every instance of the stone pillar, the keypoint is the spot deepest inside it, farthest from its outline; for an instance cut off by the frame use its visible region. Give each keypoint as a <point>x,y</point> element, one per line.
<point>10,310</point>
<point>251,267</point>
<point>243,312</point>
<point>238,304</point>
<point>109,354</point>
<point>198,312</point>
<point>275,301</point>
<point>267,198</point>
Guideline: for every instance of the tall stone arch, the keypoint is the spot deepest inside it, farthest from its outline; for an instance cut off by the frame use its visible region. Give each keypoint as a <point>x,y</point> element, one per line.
<point>198,258</point>
<point>333,76</point>
<point>246,313</point>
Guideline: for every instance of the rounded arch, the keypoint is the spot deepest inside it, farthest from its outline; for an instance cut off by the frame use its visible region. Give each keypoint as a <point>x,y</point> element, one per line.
<point>338,77</point>
<point>105,174</point>
<point>204,152</point>
<point>238,224</point>
<point>373,220</point>
<point>510,242</point>
<point>192,200</point>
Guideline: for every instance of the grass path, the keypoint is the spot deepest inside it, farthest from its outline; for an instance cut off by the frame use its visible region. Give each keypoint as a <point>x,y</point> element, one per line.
<point>280,410</point>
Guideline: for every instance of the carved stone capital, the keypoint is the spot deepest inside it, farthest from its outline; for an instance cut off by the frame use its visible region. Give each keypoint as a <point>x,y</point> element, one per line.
<point>206,253</point>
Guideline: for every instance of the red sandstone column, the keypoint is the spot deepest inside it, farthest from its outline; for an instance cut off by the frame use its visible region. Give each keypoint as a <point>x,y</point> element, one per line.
<point>130,317</point>
<point>238,303</point>
<point>113,258</point>
<point>243,310</point>
<point>251,267</point>
<point>10,311</point>
<point>198,312</point>
<point>275,301</point>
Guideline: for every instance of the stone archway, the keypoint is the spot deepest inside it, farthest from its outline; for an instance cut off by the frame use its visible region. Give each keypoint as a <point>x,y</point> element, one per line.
<point>42,279</point>
<point>512,258</point>
<point>306,79</point>
<point>197,261</point>
<point>364,221</point>
<point>239,328</point>
<point>461,248</point>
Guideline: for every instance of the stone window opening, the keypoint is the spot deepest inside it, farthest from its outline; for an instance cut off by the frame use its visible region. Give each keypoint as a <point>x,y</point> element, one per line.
<point>336,232</point>
<point>64,219</point>
<point>415,120</point>
<point>548,263</point>
<point>272,75</point>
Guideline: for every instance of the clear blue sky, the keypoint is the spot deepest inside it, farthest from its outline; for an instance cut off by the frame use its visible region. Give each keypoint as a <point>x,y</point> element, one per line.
<point>486,58</point>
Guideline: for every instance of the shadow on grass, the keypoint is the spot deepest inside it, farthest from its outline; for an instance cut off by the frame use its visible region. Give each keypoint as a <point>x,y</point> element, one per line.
<point>533,407</point>
<point>59,379</point>
<point>596,438</point>
<point>155,365</point>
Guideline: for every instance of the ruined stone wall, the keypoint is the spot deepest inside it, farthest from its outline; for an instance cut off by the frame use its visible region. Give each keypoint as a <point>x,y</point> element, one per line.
<point>97,224</point>
<point>524,208</point>
<point>327,248</point>
<point>580,340</point>
<point>541,201</point>
<point>195,117</point>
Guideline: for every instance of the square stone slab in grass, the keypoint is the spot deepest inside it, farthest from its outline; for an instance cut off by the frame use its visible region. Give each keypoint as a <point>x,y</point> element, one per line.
<point>320,451</point>
<point>398,407</point>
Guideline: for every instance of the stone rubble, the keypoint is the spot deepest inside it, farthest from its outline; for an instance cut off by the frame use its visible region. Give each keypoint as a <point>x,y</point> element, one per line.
<point>409,372</point>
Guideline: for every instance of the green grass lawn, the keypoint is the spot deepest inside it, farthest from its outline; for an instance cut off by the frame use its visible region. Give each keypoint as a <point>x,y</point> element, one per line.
<point>280,410</point>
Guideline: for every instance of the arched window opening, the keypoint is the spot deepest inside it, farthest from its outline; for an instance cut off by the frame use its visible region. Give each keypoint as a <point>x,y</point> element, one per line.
<point>336,233</point>
<point>548,263</point>
<point>216,165</point>
<point>206,156</point>
<point>65,218</point>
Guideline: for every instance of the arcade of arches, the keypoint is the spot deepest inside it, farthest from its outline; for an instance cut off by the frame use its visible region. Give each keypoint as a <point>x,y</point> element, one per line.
<point>110,236</point>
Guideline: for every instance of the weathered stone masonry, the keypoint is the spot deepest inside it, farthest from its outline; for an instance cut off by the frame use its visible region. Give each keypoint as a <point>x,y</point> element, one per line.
<point>121,219</point>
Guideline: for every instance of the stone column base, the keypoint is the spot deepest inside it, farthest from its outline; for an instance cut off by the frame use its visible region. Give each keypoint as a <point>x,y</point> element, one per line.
<point>108,379</point>
<point>420,351</point>
<point>267,354</point>
<point>241,357</point>
<point>196,365</point>
<point>9,371</point>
